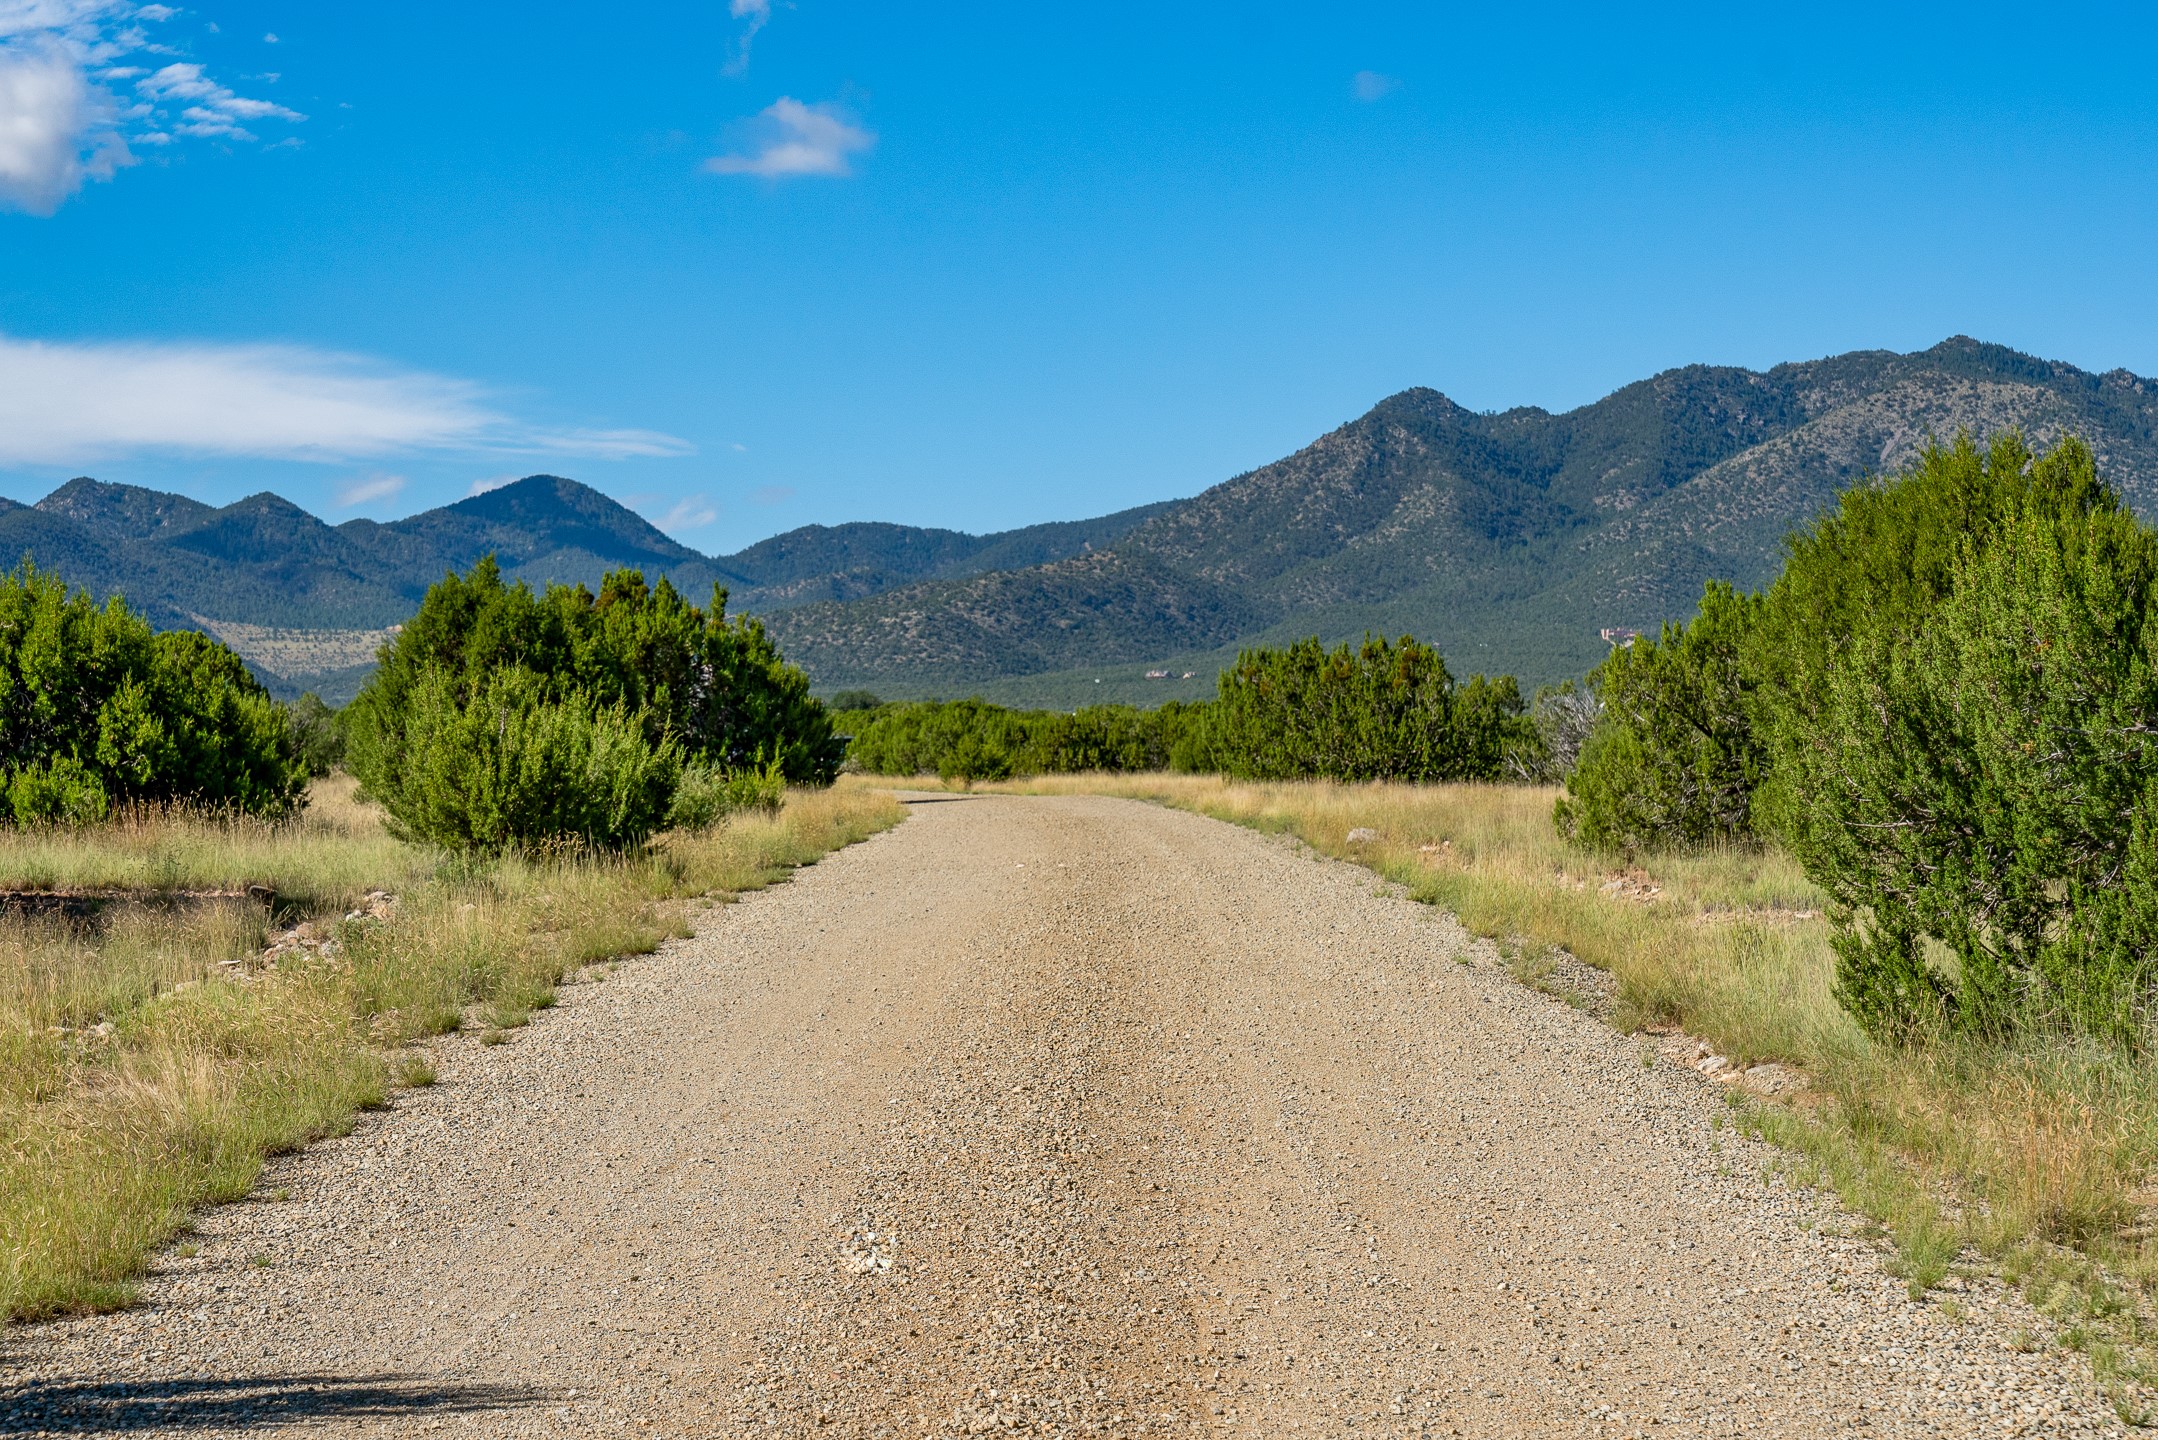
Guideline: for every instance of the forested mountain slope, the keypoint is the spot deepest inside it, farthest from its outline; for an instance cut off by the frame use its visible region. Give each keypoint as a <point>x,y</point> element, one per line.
<point>1508,539</point>
<point>308,603</point>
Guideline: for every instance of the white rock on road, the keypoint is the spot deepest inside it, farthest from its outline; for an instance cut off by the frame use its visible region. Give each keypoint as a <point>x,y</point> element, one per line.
<point>1047,1116</point>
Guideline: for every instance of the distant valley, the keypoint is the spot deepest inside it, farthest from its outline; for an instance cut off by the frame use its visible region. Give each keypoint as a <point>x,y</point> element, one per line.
<point>1510,539</point>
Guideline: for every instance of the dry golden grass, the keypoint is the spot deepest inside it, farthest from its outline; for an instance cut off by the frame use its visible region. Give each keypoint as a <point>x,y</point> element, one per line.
<point>322,860</point>
<point>2036,1155</point>
<point>140,1078</point>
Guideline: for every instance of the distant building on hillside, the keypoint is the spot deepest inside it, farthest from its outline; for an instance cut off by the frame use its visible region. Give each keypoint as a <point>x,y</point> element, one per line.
<point>1618,637</point>
<point>1157,674</point>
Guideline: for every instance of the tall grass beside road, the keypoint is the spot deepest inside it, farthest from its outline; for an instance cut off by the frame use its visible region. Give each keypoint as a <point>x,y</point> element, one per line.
<point>324,859</point>
<point>150,1057</point>
<point>2034,1153</point>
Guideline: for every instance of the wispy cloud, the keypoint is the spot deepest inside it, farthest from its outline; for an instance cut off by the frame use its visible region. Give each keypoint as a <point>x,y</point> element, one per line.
<point>770,495</point>
<point>790,138</point>
<point>369,490</point>
<point>757,14</point>
<point>63,403</point>
<point>491,482</point>
<point>691,512</point>
<point>68,113</point>
<point>209,108</point>
<point>1370,85</point>
<point>596,444</point>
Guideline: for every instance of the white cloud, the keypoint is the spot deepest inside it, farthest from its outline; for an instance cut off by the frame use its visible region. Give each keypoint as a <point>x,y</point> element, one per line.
<point>57,129</point>
<point>63,121</point>
<point>491,482</point>
<point>1370,85</point>
<point>692,512</point>
<point>67,403</point>
<point>369,490</point>
<point>791,138</point>
<point>769,495</point>
<point>759,14</point>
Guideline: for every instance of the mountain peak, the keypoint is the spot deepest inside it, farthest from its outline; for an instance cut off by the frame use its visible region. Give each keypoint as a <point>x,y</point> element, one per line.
<point>544,513</point>
<point>1979,357</point>
<point>1421,401</point>
<point>533,491</point>
<point>122,512</point>
<point>262,529</point>
<point>270,503</point>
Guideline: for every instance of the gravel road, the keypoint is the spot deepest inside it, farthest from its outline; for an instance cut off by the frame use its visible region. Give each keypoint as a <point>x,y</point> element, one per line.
<point>1048,1116</point>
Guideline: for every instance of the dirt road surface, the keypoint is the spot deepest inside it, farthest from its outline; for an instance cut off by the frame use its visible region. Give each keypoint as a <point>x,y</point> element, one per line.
<point>1048,1116</point>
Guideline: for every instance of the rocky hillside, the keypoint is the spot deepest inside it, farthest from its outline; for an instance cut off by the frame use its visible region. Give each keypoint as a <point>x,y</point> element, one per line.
<point>1508,539</point>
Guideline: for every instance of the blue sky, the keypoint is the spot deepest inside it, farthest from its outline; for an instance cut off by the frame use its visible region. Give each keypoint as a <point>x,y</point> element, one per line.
<point>750,265</point>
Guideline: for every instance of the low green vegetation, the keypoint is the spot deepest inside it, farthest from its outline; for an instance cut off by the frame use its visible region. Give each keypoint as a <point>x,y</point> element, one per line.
<point>316,734</point>
<point>1942,712</point>
<point>501,763</point>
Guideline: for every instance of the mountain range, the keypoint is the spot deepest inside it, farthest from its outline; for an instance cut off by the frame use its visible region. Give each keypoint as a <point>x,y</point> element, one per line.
<point>1509,539</point>
<point>308,603</point>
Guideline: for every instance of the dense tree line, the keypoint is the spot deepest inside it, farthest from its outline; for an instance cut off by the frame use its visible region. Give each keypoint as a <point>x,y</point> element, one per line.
<point>1947,707</point>
<point>975,740</point>
<point>1379,711</point>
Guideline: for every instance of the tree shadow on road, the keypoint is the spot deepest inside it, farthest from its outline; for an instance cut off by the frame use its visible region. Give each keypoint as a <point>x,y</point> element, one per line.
<point>243,1402</point>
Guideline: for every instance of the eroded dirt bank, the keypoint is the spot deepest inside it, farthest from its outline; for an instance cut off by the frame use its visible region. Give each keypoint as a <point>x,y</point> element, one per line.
<point>1046,1116</point>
